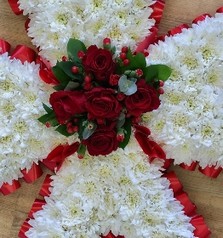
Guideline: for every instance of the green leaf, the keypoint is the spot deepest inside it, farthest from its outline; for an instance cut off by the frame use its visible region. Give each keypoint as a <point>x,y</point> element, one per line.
<point>62,129</point>
<point>50,118</point>
<point>135,62</point>
<point>66,66</point>
<point>73,47</point>
<point>128,130</point>
<point>63,78</point>
<point>47,109</point>
<point>158,71</point>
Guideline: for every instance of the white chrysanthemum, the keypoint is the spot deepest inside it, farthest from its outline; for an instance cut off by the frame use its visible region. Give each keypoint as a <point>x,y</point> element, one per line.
<point>120,192</point>
<point>23,140</point>
<point>54,22</point>
<point>189,121</point>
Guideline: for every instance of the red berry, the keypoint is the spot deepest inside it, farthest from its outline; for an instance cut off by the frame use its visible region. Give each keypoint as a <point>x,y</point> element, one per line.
<point>106,41</point>
<point>80,156</point>
<point>126,62</point>
<point>113,80</point>
<point>120,137</point>
<point>48,124</point>
<point>125,49</point>
<point>122,56</point>
<point>161,83</point>
<point>87,79</point>
<point>64,58</point>
<point>160,91</point>
<point>75,70</point>
<point>120,96</point>
<point>146,53</point>
<point>139,72</point>
<point>80,54</point>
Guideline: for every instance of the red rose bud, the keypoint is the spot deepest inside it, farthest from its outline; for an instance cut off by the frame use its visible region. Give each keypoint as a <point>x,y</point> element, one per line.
<point>113,80</point>
<point>161,83</point>
<point>64,58</point>
<point>126,62</point>
<point>122,56</point>
<point>120,137</point>
<point>139,72</point>
<point>80,54</point>
<point>120,96</point>
<point>125,49</point>
<point>87,79</point>
<point>107,41</point>
<point>160,91</point>
<point>75,70</point>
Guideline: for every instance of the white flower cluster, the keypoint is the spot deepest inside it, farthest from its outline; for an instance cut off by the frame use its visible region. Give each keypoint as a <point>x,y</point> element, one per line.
<point>121,192</point>
<point>189,122</point>
<point>54,22</point>
<point>23,140</point>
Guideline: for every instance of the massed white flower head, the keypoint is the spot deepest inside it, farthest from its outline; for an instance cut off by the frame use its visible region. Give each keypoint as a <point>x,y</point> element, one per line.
<point>189,122</point>
<point>23,140</point>
<point>121,192</point>
<point>54,22</point>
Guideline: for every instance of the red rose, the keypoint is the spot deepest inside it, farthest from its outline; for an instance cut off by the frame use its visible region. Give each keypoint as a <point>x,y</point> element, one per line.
<point>66,104</point>
<point>144,100</point>
<point>99,62</point>
<point>102,142</point>
<point>101,103</point>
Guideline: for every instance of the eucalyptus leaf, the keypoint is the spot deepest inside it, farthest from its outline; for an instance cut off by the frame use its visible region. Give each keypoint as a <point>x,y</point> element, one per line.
<point>121,120</point>
<point>127,86</point>
<point>87,132</point>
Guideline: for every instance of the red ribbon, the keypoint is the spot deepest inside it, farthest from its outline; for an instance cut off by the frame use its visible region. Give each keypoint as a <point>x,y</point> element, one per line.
<point>45,72</point>
<point>177,29</point>
<point>149,147</point>
<point>175,184</point>
<point>57,156</point>
<point>24,53</point>
<point>45,189</point>
<point>201,229</point>
<point>4,46</point>
<point>37,206</point>
<point>24,228</point>
<point>180,195</point>
<point>220,10</point>
<point>157,13</point>
<point>211,171</point>
<point>14,4</point>
<point>7,188</point>
<point>110,235</point>
<point>190,167</point>
<point>33,174</point>
<point>150,39</point>
<point>201,18</point>
<point>189,207</point>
